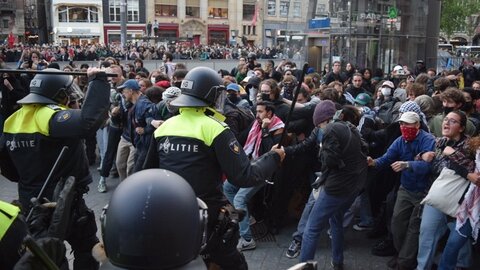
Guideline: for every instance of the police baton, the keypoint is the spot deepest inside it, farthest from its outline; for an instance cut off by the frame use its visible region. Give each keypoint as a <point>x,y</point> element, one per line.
<point>40,253</point>
<point>24,71</point>
<point>294,101</point>
<point>35,200</point>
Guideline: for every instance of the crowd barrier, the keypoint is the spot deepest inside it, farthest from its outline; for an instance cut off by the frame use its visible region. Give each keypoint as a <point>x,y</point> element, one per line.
<point>150,65</point>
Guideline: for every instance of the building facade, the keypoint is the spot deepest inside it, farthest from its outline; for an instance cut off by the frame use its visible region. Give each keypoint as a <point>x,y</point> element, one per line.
<point>77,22</point>
<point>381,34</point>
<point>136,11</point>
<point>207,21</point>
<point>11,20</point>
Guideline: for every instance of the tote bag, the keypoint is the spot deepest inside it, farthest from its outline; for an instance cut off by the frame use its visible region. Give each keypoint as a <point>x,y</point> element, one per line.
<point>447,192</point>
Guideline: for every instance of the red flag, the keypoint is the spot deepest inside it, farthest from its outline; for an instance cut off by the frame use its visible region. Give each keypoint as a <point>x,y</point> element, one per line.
<point>255,15</point>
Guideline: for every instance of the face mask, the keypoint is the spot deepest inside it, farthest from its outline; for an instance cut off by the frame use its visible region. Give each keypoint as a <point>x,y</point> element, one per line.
<point>152,80</point>
<point>409,133</point>
<point>266,97</point>
<point>386,91</point>
<point>233,98</point>
<point>447,110</point>
<point>467,106</point>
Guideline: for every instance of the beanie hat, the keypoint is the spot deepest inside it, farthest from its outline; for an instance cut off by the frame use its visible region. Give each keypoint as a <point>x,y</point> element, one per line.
<point>323,111</point>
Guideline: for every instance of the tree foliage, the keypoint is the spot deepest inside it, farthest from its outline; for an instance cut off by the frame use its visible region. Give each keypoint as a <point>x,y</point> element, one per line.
<point>457,16</point>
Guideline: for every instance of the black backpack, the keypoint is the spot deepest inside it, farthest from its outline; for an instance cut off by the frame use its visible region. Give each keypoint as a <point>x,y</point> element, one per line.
<point>385,111</point>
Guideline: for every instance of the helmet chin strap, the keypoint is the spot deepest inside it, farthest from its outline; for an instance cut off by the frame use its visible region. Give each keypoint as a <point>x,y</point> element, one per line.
<point>209,111</point>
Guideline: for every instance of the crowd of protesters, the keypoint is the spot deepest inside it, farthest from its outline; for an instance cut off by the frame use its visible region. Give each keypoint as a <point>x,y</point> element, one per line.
<point>413,122</point>
<point>143,51</point>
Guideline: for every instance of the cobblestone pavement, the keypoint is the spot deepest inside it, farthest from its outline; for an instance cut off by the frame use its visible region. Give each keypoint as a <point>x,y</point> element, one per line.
<point>270,252</point>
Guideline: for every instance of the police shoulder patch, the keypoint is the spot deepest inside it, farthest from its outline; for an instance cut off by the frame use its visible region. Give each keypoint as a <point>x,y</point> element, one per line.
<point>63,116</point>
<point>54,107</point>
<point>234,146</point>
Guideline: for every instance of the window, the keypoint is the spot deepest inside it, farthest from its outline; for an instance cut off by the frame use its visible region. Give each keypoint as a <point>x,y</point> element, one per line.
<point>217,9</point>
<point>248,12</point>
<point>166,10</point>
<point>5,23</point>
<point>284,8</point>
<point>272,6</point>
<point>114,10</point>
<point>297,9</point>
<point>192,9</point>
<point>133,13</point>
<point>78,14</point>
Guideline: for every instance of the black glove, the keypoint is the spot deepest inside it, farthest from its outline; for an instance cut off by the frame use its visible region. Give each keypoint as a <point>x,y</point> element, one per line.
<point>54,249</point>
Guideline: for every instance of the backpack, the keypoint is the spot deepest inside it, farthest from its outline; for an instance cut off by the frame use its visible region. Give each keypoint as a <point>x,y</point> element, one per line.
<point>385,111</point>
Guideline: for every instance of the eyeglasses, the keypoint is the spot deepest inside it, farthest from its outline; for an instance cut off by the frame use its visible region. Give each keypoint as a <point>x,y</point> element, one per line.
<point>450,121</point>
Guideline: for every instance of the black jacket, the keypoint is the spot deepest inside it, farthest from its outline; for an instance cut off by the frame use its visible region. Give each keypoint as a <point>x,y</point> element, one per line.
<point>34,141</point>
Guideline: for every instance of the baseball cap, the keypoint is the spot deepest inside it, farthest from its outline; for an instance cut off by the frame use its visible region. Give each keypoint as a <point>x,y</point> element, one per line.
<point>130,84</point>
<point>388,84</point>
<point>163,84</point>
<point>363,99</point>
<point>233,86</point>
<point>409,117</point>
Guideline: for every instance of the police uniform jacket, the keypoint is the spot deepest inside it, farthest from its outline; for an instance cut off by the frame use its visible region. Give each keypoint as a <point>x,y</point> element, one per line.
<point>35,134</point>
<point>200,149</point>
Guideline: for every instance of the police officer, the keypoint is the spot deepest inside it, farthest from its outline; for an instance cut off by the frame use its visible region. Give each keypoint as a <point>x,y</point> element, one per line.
<point>34,136</point>
<point>12,232</point>
<point>153,221</point>
<point>200,147</point>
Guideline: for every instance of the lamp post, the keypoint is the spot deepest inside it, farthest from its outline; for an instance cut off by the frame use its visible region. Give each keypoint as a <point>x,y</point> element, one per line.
<point>123,23</point>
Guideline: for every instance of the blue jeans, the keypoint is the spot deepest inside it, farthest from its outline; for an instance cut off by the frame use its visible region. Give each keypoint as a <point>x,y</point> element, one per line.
<point>327,208</point>
<point>298,234</point>
<point>102,139</point>
<point>240,197</point>
<point>433,226</point>
<point>455,244</point>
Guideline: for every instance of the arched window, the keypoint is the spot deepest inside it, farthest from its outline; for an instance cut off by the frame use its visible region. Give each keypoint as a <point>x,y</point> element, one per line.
<point>88,14</point>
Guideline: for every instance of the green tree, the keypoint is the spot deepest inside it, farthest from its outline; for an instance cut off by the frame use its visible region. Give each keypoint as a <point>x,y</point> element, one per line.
<point>458,15</point>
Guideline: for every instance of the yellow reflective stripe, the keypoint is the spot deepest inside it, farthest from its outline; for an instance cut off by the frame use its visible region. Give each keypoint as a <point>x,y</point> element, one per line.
<point>191,123</point>
<point>8,213</point>
<point>31,118</point>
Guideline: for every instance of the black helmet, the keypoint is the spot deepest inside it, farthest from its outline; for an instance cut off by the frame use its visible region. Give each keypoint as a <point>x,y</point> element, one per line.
<point>200,88</point>
<point>153,222</point>
<point>48,88</point>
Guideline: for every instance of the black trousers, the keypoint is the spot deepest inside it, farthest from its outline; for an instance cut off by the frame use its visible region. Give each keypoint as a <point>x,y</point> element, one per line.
<point>114,135</point>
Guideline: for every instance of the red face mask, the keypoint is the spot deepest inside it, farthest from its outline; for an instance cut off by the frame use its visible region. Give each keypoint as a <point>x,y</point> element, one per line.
<point>409,133</point>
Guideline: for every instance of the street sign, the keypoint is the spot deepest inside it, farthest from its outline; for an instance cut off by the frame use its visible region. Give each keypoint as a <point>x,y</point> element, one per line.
<point>392,12</point>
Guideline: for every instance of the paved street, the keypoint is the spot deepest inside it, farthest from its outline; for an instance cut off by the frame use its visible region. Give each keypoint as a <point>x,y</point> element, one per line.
<point>270,251</point>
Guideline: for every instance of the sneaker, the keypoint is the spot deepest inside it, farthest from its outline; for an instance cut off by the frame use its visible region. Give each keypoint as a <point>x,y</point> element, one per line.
<point>336,266</point>
<point>294,249</point>
<point>359,227</point>
<point>384,249</point>
<point>246,245</point>
<point>102,187</point>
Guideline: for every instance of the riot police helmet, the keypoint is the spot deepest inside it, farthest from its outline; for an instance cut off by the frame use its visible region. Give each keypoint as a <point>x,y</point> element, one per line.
<point>48,88</point>
<point>201,87</point>
<point>154,221</point>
